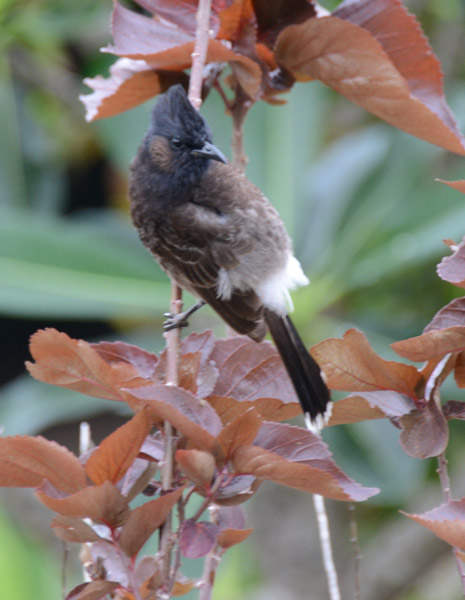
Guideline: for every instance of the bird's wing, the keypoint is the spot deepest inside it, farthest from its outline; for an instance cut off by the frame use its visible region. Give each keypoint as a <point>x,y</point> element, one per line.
<point>196,242</point>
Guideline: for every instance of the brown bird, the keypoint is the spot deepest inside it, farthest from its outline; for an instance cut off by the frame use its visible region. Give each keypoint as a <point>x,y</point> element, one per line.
<point>218,237</point>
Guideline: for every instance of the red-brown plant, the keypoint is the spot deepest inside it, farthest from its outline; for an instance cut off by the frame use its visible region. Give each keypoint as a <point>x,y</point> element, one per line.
<point>233,395</point>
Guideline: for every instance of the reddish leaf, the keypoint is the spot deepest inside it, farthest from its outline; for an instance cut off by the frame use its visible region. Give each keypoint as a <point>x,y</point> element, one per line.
<point>117,452</point>
<point>446,521</point>
<point>198,373</point>
<point>271,409</point>
<point>231,521</point>
<point>26,461</point>
<point>351,61</point>
<point>231,537</point>
<point>459,370</point>
<point>73,530</point>
<point>136,35</point>
<point>74,364</point>
<point>273,17</point>
<point>194,418</point>
<point>451,315</point>
<point>234,19</point>
<point>351,364</point>
<point>240,432</point>
<point>131,83</point>
<point>297,458</point>
<point>445,334</point>
<point>237,490</point>
<point>181,13</point>
<point>93,590</point>
<point>116,352</point>
<point>148,575</point>
<point>168,48</point>
<point>369,405</point>
<point>198,466</point>
<point>199,342</point>
<point>452,269</point>
<point>144,520</point>
<point>102,503</point>
<point>182,585</point>
<point>457,185</point>
<point>140,476</point>
<point>250,371</point>
<point>197,539</point>
<point>401,37</point>
<point>424,432</point>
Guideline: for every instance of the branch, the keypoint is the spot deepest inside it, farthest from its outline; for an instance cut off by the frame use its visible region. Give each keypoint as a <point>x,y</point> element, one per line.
<point>173,337</point>
<point>445,485</point>
<point>199,54</point>
<point>323,529</point>
<point>326,550</point>
<point>357,553</point>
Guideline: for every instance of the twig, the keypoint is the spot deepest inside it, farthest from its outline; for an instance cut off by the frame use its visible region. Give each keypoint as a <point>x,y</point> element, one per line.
<point>64,566</point>
<point>239,110</point>
<point>323,529</point>
<point>173,343</point>
<point>445,485</point>
<point>212,560</point>
<point>173,337</point>
<point>326,550</point>
<point>356,549</point>
<point>199,54</point>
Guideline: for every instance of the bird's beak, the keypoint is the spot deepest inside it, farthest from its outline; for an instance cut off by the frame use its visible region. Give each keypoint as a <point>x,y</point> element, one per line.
<point>209,151</point>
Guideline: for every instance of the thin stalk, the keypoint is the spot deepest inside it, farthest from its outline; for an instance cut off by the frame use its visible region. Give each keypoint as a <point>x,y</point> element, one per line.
<point>323,529</point>
<point>210,566</point>
<point>326,549</point>
<point>443,473</point>
<point>173,337</point>
<point>199,54</point>
<point>357,553</point>
<point>239,110</point>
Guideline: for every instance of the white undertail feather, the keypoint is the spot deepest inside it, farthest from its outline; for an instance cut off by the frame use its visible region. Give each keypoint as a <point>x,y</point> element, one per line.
<point>274,289</point>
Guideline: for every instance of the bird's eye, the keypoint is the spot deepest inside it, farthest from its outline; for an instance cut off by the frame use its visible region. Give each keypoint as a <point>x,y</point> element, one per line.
<point>176,143</point>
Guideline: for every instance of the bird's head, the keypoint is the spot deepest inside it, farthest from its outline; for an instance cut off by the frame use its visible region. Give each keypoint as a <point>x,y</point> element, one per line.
<point>178,138</point>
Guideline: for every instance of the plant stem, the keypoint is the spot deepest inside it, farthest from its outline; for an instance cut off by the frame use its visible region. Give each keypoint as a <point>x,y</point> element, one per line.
<point>357,553</point>
<point>173,337</point>
<point>239,110</point>
<point>445,485</point>
<point>326,550</point>
<point>210,566</point>
<point>200,52</point>
<point>173,342</point>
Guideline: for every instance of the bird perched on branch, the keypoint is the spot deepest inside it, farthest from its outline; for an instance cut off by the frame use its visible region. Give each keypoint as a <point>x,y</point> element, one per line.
<point>218,237</point>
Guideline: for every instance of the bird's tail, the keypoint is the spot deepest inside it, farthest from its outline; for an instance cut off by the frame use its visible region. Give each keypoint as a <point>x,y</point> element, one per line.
<point>303,371</point>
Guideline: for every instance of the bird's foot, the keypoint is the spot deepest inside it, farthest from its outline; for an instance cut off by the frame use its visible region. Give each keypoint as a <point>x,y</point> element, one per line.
<point>175,321</point>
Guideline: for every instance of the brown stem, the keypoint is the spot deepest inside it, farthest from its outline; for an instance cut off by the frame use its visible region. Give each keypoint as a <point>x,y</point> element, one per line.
<point>200,52</point>
<point>173,337</point>
<point>239,110</point>
<point>173,343</point>
<point>209,572</point>
<point>445,485</point>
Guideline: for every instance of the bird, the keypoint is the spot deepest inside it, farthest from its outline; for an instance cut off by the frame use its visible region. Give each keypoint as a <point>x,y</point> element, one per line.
<point>219,238</point>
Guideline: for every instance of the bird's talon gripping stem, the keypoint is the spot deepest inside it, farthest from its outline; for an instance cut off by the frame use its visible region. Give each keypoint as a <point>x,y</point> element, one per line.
<point>174,321</point>
<point>180,320</point>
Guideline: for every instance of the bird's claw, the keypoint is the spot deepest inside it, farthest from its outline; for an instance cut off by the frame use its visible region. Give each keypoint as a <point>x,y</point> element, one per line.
<point>174,321</point>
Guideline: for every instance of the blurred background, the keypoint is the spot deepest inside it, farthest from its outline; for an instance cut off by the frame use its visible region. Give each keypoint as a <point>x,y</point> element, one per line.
<point>367,219</point>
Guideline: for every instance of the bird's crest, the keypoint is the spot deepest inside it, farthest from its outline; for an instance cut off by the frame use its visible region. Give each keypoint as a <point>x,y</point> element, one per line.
<point>174,115</point>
